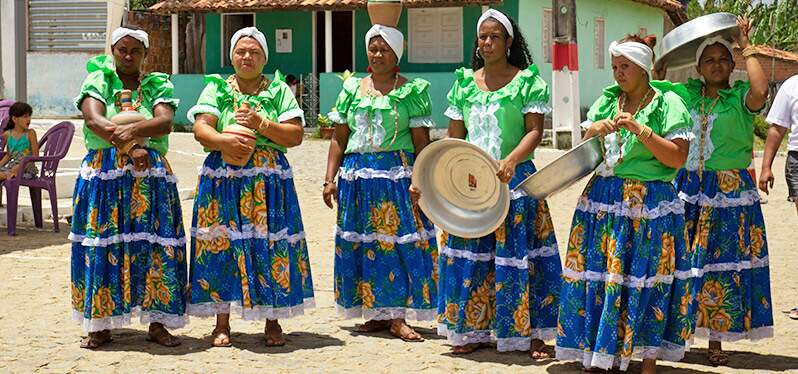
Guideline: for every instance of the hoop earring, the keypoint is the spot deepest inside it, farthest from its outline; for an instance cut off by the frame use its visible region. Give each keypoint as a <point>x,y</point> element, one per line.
<point>479,56</point>
<point>508,52</point>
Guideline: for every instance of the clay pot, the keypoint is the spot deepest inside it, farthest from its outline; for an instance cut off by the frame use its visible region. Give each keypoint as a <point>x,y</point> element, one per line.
<point>326,132</point>
<point>126,117</point>
<point>385,12</point>
<point>245,134</point>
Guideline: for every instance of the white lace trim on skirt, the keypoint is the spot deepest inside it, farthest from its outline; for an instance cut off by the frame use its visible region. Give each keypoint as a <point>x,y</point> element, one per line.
<point>395,173</point>
<point>487,336</point>
<point>228,172</point>
<point>248,231</point>
<point>171,321</point>
<point>256,313</point>
<point>126,238</point>
<point>621,208</point>
<point>628,281</point>
<point>520,263</point>
<point>747,198</point>
<point>88,173</point>
<point>754,334</point>
<point>667,351</point>
<point>383,314</point>
<point>355,237</point>
<point>754,263</point>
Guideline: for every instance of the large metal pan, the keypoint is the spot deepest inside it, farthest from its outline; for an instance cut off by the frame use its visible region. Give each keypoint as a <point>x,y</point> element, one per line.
<point>565,170</point>
<point>460,191</point>
<point>680,45</point>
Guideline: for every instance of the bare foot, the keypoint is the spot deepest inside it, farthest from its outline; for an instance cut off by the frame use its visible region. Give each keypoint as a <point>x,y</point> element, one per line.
<point>374,326</point>
<point>715,354</point>
<point>538,350</point>
<point>221,337</point>
<point>401,330</point>
<point>159,334</point>
<point>649,366</point>
<point>468,348</point>
<point>274,334</point>
<point>96,339</point>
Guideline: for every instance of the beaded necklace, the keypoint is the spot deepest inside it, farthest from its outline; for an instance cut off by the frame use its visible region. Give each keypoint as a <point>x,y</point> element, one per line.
<point>371,93</point>
<point>623,133</point>
<point>238,96</point>
<point>704,124</point>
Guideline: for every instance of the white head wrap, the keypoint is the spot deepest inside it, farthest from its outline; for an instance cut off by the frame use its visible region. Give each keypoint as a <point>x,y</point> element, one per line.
<point>253,33</point>
<point>499,16</point>
<point>139,35</point>
<point>639,53</point>
<point>394,38</point>
<point>710,41</point>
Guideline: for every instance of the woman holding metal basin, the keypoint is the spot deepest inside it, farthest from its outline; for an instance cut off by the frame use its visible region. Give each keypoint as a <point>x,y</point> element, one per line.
<point>503,287</point>
<point>629,222</point>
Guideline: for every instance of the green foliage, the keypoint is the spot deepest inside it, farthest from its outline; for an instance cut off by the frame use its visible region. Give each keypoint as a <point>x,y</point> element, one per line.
<point>773,23</point>
<point>142,4</point>
<point>761,127</point>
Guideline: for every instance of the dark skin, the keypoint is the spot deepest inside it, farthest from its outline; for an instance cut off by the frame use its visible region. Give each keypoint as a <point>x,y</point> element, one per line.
<point>248,61</point>
<point>129,55</point>
<point>382,60</point>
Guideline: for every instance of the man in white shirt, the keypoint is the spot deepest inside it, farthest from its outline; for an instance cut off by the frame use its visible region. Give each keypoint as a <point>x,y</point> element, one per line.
<point>783,117</point>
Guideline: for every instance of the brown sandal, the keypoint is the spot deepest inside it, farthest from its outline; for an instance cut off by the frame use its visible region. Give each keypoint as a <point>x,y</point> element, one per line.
<point>219,334</point>
<point>271,341</point>
<point>96,339</point>
<point>160,335</point>
<point>402,330</point>
<point>717,357</point>
<point>374,326</point>
<point>538,350</point>
<point>468,348</point>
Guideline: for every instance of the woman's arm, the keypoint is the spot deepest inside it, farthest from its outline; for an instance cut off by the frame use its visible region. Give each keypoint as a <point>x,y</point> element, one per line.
<point>335,155</point>
<point>159,125</point>
<point>206,134</point>
<point>775,136</point>
<point>288,133</point>
<point>421,138</point>
<point>457,129</point>
<point>94,115</point>
<point>757,96</point>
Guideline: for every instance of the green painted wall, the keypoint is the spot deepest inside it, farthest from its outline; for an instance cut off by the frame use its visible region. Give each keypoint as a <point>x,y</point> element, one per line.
<point>621,17</point>
<point>298,62</point>
<point>188,88</point>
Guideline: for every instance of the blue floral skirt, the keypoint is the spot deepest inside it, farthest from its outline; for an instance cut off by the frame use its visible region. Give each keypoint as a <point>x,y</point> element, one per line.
<point>385,250</point>
<point>503,287</point>
<point>726,233</point>
<point>128,244</point>
<point>619,271</point>
<point>248,249</point>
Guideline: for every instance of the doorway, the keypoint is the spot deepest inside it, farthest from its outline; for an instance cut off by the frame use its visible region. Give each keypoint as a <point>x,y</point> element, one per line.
<point>342,41</point>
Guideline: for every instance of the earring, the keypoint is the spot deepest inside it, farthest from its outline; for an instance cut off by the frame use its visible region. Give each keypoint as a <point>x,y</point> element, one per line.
<point>508,52</point>
<point>396,69</point>
<point>479,56</point>
<point>370,70</point>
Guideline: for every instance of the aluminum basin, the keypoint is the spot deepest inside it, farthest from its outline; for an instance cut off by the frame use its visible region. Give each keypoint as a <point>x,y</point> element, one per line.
<point>681,44</point>
<point>565,170</point>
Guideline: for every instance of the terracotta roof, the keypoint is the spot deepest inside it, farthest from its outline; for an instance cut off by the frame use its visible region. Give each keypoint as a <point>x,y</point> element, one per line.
<point>779,54</point>
<point>667,5</point>
<point>171,6</point>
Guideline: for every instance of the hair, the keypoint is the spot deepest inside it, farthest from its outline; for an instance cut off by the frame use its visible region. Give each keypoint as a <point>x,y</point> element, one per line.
<point>650,41</point>
<point>520,56</point>
<point>17,109</point>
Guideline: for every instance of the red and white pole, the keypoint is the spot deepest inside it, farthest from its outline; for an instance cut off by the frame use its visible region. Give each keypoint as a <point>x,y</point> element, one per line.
<point>565,76</point>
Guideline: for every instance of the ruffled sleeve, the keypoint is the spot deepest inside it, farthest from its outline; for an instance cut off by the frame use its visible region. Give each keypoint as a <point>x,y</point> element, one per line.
<point>455,96</point>
<point>96,84</point>
<point>740,91</point>
<point>676,120</point>
<point>158,88</point>
<point>535,92</point>
<point>209,100</point>
<point>284,100</point>
<point>341,109</point>
<point>419,104</point>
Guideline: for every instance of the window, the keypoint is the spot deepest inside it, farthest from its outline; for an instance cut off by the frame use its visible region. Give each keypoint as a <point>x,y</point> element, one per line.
<point>598,43</point>
<point>230,24</point>
<point>435,35</point>
<point>66,26</point>
<point>547,38</point>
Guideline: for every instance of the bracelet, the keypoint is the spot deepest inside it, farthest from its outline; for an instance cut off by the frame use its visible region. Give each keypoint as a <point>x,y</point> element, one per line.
<point>749,51</point>
<point>263,121</point>
<point>645,133</point>
<point>328,182</point>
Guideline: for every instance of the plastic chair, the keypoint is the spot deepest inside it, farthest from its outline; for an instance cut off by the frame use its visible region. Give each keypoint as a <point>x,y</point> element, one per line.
<point>53,147</point>
<point>5,106</point>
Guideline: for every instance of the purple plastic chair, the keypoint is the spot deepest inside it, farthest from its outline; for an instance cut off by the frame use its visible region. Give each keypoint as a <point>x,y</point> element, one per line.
<point>53,146</point>
<point>5,106</point>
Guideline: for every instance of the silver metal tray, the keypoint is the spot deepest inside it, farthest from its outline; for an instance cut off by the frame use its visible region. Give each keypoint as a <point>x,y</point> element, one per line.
<point>680,45</point>
<point>460,192</point>
<point>565,170</point>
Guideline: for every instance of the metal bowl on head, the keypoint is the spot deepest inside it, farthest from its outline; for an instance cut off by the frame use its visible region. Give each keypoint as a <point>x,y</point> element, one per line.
<point>681,44</point>
<point>460,192</point>
<point>565,170</point>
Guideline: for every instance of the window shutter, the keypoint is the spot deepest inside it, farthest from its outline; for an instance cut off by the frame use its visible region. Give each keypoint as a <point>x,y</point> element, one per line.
<point>70,26</point>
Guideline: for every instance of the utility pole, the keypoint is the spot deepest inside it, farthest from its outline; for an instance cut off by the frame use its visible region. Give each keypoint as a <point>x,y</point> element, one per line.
<point>21,50</point>
<point>566,132</point>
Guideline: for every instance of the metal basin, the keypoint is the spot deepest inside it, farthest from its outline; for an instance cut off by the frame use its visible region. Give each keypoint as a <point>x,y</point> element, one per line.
<point>460,191</point>
<point>565,170</point>
<point>680,45</point>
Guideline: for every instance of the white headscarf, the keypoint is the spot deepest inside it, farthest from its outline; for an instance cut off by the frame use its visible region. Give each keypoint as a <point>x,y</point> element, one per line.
<point>392,36</point>
<point>139,35</point>
<point>253,33</point>
<point>639,53</point>
<point>499,16</point>
<point>710,41</point>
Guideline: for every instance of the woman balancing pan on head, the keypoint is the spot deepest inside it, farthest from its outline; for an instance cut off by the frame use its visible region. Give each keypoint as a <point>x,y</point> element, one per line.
<point>503,287</point>
<point>726,230</point>
<point>629,223</point>
<point>128,242</point>
<point>248,249</point>
<point>385,250</point>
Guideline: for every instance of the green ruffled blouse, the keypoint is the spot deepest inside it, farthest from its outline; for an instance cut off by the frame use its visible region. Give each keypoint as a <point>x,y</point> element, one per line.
<point>627,157</point>
<point>494,120</point>
<point>373,121</point>
<point>276,103</point>
<point>104,84</point>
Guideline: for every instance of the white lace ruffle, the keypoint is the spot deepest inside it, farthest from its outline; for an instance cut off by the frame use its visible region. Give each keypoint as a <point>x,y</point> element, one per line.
<point>173,102</point>
<point>684,134</point>
<point>525,343</point>
<point>384,314</point>
<point>544,252</point>
<point>454,113</point>
<point>337,118</point>
<point>468,255</point>
<point>746,198</point>
<point>627,281</point>
<point>621,208</point>
<point>754,334</point>
<point>127,238</point>
<point>484,130</point>
<point>291,114</point>
<point>248,231</point>
<point>613,152</point>
<point>522,263</point>
<point>256,313</point>
<point>518,263</point>
<point>201,109</point>
<point>456,339</point>
<point>517,194</point>
<point>540,107</point>
<point>395,173</point>
<point>355,237</point>
<point>171,321</point>
<point>88,173</point>
<point>589,359</point>
<point>228,172</point>
<point>694,153</point>
<point>755,263</point>
<point>369,133</point>
<point>417,122</point>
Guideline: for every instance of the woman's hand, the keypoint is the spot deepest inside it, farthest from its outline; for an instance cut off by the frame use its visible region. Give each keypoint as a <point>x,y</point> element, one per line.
<point>247,117</point>
<point>415,194</point>
<point>626,121</point>
<point>766,180</point>
<point>745,28</point>
<point>330,194</point>
<point>603,127</point>
<point>234,146</point>
<point>506,170</point>
<point>140,157</point>
<point>123,134</point>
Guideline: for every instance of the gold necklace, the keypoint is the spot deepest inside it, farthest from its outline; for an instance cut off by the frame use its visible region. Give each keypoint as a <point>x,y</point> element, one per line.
<point>370,92</point>
<point>238,96</point>
<point>704,124</point>
<point>622,132</point>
